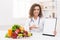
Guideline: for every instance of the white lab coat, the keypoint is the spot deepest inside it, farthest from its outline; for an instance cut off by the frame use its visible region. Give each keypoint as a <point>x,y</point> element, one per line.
<point>28,23</point>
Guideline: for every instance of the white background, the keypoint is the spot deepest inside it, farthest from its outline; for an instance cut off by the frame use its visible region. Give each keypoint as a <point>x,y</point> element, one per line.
<point>6,13</point>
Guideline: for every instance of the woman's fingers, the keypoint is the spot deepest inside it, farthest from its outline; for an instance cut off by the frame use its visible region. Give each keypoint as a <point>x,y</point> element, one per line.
<point>33,28</point>
<point>30,28</point>
<point>55,32</point>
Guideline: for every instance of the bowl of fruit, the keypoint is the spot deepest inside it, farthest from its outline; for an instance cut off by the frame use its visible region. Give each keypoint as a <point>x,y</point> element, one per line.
<point>17,31</point>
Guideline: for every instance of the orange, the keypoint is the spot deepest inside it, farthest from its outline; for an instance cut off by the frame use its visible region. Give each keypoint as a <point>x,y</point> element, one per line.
<point>9,32</point>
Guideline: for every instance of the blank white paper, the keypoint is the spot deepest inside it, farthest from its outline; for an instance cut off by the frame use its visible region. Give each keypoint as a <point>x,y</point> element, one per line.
<point>49,26</point>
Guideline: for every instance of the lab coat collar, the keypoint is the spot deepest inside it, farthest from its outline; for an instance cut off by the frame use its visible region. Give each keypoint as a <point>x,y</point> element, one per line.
<point>34,19</point>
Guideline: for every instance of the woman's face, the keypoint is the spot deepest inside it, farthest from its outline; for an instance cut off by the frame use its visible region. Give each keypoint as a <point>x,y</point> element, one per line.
<point>36,11</point>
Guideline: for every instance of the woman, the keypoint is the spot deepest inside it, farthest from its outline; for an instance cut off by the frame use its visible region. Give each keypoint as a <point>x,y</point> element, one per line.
<point>35,21</point>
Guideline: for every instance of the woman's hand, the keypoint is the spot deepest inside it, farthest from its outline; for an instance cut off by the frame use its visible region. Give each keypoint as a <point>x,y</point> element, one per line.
<point>32,27</point>
<point>55,32</point>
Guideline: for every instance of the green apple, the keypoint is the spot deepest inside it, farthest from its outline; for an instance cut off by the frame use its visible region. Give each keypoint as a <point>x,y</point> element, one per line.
<point>6,36</point>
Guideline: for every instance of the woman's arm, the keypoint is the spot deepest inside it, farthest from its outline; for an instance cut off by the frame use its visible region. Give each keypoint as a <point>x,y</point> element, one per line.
<point>26,24</point>
<point>55,32</point>
<point>33,27</point>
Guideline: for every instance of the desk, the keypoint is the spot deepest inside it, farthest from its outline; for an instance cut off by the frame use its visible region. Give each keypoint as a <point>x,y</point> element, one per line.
<point>36,36</point>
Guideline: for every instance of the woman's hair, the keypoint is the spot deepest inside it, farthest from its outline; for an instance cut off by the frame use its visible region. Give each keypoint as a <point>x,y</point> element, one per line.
<point>32,9</point>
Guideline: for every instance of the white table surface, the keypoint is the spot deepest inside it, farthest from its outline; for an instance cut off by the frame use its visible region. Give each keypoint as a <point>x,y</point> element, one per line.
<point>36,36</point>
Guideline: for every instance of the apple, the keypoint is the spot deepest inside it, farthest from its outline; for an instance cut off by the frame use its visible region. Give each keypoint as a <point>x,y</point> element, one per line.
<point>6,36</point>
<point>17,31</point>
<point>14,35</point>
<point>25,33</point>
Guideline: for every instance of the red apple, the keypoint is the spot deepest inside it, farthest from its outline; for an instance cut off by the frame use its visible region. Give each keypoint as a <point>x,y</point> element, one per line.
<point>25,33</point>
<point>14,35</point>
<point>17,31</point>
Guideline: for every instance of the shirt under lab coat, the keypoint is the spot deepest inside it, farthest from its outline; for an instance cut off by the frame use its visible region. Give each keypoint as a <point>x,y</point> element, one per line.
<point>29,23</point>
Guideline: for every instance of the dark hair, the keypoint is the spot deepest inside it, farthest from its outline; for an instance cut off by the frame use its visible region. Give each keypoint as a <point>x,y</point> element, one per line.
<point>32,9</point>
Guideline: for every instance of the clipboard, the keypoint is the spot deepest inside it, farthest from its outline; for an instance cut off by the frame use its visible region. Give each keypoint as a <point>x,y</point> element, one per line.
<point>49,26</point>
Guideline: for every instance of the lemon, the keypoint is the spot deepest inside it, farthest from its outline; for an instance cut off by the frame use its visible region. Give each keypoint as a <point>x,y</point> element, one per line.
<point>29,34</point>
